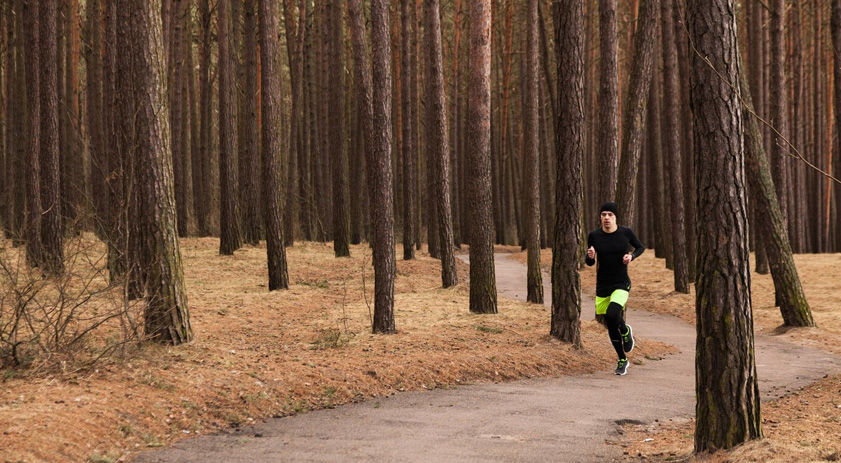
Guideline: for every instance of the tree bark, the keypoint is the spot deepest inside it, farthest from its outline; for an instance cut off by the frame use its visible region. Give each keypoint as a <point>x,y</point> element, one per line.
<point>34,244</point>
<point>566,282</point>
<point>778,108</point>
<point>378,149</point>
<point>793,305</point>
<point>727,411</point>
<point>250,175</point>
<point>531,183</point>
<point>271,108</point>
<point>482,272</point>
<point>202,186</point>
<point>634,124</point>
<point>167,318</point>
<point>409,167</point>
<point>608,130</point>
<point>673,148</point>
<point>230,239</point>
<point>338,154</point>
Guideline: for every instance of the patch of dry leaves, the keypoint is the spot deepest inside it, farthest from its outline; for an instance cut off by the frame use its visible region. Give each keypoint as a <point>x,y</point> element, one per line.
<point>258,355</point>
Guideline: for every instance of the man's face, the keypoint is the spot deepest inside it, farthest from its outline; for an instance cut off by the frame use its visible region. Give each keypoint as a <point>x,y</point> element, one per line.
<point>608,219</point>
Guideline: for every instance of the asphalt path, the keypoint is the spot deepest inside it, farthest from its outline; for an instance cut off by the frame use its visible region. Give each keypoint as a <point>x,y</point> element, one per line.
<point>569,419</point>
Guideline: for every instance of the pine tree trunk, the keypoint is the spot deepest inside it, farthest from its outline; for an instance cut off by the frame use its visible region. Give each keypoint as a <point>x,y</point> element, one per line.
<point>531,182</point>
<point>438,144</point>
<point>167,318</point>
<point>250,172</point>
<point>34,244</point>
<point>378,149</point>
<point>306,148</point>
<point>482,272</point>
<point>271,136</point>
<point>202,177</point>
<point>727,411</point>
<point>174,30</point>
<point>793,305</point>
<point>294,37</point>
<point>409,167</point>
<point>635,106</point>
<point>673,149</point>
<point>230,239</point>
<point>71,164</point>
<point>836,167</point>
<point>608,137</point>
<point>20,161</point>
<point>338,151</point>
<point>566,282</point>
<point>778,108</point>
<point>10,123</point>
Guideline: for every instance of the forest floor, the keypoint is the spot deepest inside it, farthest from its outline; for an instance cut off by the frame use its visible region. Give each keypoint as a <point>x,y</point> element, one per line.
<point>258,355</point>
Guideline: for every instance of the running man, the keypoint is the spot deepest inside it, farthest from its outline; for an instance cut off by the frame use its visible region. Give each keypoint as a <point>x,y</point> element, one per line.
<point>610,242</point>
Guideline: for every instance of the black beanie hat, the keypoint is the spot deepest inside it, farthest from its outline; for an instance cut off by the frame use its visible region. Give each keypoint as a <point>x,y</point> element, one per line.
<point>609,206</point>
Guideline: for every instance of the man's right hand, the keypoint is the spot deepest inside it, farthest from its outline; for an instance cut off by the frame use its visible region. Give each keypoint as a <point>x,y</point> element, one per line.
<point>591,252</point>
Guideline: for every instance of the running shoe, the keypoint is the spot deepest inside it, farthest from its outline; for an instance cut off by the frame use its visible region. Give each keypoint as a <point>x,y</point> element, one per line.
<point>628,339</point>
<point>621,367</point>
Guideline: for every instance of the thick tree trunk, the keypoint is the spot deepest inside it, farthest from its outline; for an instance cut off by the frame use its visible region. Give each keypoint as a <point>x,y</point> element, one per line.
<point>633,125</point>
<point>673,149</point>
<point>727,411</point>
<point>229,218</point>
<point>167,319</point>
<point>378,151</point>
<point>531,183</point>
<point>271,108</point>
<point>566,282</point>
<point>438,143</point>
<point>482,272</point>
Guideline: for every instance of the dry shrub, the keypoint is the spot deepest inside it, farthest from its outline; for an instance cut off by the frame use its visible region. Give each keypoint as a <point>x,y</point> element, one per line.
<point>66,321</point>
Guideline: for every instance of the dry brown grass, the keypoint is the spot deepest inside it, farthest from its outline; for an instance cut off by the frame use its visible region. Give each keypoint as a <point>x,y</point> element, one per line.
<point>258,354</point>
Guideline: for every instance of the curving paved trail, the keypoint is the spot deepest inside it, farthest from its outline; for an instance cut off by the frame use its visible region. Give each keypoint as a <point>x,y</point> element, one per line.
<point>566,419</point>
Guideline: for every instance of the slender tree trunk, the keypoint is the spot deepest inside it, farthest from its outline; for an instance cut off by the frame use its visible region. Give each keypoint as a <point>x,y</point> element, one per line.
<point>51,219</point>
<point>378,149</point>
<point>202,177</point>
<point>438,143</point>
<point>633,125</point>
<point>482,272</point>
<point>197,189</point>
<point>409,167</point>
<point>608,130</point>
<point>230,240</point>
<point>338,154</point>
<point>95,129</point>
<point>306,149</point>
<point>799,217</point>
<point>173,30</point>
<point>116,92</point>
<point>793,305</point>
<point>20,160</point>
<point>167,318</point>
<point>34,244</point>
<point>250,163</point>
<point>778,110</point>
<point>294,38</point>
<point>566,282</point>
<point>271,108</point>
<point>757,86</point>
<point>673,149</point>
<point>531,182</point>
<point>11,123</point>
<point>71,164</point>
<point>727,411</point>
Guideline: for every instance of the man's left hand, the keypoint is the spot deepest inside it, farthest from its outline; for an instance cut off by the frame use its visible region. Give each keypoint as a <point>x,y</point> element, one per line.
<point>626,258</point>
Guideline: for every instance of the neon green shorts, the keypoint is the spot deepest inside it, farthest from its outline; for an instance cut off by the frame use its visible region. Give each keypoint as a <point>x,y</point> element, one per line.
<point>619,296</point>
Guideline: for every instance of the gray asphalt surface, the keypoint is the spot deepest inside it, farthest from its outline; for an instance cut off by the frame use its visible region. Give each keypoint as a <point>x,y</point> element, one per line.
<point>570,419</point>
